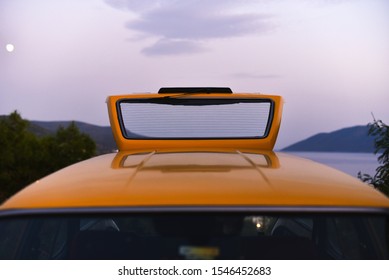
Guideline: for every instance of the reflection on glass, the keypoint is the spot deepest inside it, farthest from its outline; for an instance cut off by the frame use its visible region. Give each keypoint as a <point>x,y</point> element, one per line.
<point>204,235</point>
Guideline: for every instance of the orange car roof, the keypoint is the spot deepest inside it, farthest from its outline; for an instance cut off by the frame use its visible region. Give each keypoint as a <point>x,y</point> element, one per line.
<point>192,178</point>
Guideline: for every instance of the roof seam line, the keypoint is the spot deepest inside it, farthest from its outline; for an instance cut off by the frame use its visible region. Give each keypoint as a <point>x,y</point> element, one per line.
<point>255,166</point>
<point>141,164</point>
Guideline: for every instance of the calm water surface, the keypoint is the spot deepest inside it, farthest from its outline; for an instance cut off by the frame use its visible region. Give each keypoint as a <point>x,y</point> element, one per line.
<point>350,163</point>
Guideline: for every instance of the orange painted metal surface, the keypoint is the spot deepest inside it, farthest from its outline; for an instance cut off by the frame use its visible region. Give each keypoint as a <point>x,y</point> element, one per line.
<point>208,178</point>
<point>222,172</point>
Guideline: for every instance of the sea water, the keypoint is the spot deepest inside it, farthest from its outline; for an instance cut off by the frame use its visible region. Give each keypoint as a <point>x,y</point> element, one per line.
<point>350,163</point>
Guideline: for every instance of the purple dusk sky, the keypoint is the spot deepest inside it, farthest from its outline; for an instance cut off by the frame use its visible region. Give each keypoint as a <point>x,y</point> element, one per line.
<point>329,59</point>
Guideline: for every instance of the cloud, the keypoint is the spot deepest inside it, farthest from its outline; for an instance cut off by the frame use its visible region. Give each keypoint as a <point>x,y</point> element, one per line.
<point>185,25</point>
<point>173,47</point>
<point>139,5</point>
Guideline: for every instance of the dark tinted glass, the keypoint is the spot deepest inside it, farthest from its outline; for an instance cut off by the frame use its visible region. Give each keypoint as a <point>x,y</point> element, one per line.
<point>195,236</point>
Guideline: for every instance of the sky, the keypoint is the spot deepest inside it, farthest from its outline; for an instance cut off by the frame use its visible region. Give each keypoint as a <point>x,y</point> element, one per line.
<point>329,59</point>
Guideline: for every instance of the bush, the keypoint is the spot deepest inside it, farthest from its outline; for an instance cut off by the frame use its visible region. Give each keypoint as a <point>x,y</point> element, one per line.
<point>380,180</point>
<point>25,158</point>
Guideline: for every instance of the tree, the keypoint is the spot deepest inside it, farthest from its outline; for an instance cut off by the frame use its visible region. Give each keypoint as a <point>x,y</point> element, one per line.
<point>380,180</point>
<point>25,158</point>
<point>68,146</point>
<point>19,152</point>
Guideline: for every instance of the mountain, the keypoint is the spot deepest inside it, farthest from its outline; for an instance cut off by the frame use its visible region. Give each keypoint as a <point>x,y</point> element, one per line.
<point>102,135</point>
<point>351,139</point>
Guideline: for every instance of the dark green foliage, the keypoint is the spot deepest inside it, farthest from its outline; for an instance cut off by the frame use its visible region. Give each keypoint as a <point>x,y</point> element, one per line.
<point>102,135</point>
<point>380,180</point>
<point>19,150</point>
<point>24,157</point>
<point>67,146</point>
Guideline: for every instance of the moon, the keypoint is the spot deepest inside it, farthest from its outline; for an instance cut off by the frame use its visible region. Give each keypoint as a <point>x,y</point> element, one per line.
<point>10,48</point>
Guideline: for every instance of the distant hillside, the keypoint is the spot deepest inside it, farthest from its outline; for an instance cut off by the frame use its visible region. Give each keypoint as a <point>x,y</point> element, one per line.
<point>352,139</point>
<point>102,135</point>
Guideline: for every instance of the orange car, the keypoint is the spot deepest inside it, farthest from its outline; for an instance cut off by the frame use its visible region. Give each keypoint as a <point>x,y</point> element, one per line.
<point>196,177</point>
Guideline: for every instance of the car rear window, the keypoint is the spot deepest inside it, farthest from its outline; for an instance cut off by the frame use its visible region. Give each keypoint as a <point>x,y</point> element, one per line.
<point>195,236</point>
<point>187,118</point>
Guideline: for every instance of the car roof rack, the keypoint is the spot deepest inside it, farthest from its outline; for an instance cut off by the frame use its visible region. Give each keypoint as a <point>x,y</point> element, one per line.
<point>167,90</point>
